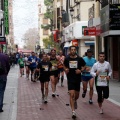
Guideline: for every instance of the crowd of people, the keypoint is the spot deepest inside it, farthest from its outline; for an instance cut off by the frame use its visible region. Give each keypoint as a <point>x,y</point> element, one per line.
<point>78,69</point>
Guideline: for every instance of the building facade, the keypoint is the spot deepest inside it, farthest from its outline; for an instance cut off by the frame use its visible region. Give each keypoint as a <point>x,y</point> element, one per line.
<point>42,21</point>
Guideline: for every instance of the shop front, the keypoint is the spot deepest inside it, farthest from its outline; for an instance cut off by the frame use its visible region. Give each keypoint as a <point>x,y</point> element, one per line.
<point>110,27</point>
<point>74,35</point>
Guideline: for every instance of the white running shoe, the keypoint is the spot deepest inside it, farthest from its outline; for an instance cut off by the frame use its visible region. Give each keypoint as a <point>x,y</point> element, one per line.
<point>73,114</point>
<point>45,100</point>
<point>101,111</point>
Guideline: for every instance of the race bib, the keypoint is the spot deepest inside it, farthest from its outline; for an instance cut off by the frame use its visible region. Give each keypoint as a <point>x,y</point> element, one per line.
<point>33,60</point>
<point>45,67</point>
<point>21,62</point>
<point>101,80</point>
<point>73,64</point>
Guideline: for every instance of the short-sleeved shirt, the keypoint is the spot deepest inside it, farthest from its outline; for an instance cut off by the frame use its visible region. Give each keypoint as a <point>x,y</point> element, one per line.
<point>44,68</point>
<point>33,59</point>
<point>21,62</point>
<point>89,63</point>
<point>73,64</point>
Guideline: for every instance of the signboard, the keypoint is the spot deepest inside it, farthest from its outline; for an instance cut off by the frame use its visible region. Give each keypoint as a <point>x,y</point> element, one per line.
<point>98,30</point>
<point>2,40</point>
<point>6,21</point>
<point>90,31</point>
<point>114,17</point>
<point>83,27</point>
<point>110,18</point>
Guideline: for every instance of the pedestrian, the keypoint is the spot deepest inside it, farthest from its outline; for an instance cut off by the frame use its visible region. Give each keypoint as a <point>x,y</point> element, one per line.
<point>45,68</point>
<point>32,60</point>
<point>102,72</point>
<point>61,59</point>
<point>86,76</point>
<point>21,65</point>
<point>27,66</point>
<point>4,70</point>
<point>54,71</point>
<point>73,66</point>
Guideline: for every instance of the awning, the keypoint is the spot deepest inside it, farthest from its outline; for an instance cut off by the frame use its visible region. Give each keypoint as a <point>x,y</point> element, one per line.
<point>66,45</point>
<point>88,43</point>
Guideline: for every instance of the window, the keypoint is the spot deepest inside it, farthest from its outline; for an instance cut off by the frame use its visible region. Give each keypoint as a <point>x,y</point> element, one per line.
<point>45,32</point>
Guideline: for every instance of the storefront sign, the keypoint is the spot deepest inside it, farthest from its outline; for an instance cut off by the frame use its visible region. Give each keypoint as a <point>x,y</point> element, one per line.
<point>90,31</point>
<point>2,40</point>
<point>110,18</point>
<point>75,43</point>
<point>114,17</point>
<point>6,21</point>
<point>56,34</point>
<point>98,30</point>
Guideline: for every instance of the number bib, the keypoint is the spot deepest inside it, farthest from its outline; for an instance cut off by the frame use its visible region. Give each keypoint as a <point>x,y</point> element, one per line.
<point>73,64</point>
<point>45,67</point>
<point>101,80</point>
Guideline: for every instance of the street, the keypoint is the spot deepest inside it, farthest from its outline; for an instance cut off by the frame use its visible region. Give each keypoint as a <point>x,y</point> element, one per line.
<point>23,102</point>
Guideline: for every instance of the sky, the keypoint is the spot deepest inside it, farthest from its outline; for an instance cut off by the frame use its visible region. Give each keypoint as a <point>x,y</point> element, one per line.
<point>25,16</point>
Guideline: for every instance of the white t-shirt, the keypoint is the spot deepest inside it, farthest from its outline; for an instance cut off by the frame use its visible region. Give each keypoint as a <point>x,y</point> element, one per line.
<point>104,70</point>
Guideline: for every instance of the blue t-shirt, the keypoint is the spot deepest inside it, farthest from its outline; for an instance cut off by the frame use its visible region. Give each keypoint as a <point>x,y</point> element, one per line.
<point>33,59</point>
<point>89,63</point>
<point>38,60</point>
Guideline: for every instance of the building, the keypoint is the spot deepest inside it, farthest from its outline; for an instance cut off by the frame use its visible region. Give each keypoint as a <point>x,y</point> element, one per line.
<point>70,19</point>
<point>42,21</point>
<point>6,26</point>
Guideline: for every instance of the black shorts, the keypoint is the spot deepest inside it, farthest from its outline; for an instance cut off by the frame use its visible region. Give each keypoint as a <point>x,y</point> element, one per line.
<point>44,79</point>
<point>54,73</point>
<point>74,86</point>
<point>103,92</point>
<point>32,68</point>
<point>21,67</point>
<point>60,70</point>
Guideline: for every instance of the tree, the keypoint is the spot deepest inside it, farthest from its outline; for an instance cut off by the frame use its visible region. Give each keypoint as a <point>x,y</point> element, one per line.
<point>30,38</point>
<point>48,15</point>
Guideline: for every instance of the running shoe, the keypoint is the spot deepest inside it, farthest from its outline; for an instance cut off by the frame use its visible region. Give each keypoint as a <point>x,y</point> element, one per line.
<point>45,100</point>
<point>73,115</point>
<point>101,111</point>
<point>83,94</point>
<point>75,104</point>
<point>53,94</point>
<point>90,102</point>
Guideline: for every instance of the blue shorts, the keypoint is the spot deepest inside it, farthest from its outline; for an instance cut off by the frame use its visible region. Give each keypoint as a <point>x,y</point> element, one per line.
<point>86,78</point>
<point>60,70</point>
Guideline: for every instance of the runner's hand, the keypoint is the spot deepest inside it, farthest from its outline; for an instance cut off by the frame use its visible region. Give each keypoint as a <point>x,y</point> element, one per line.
<point>108,77</point>
<point>97,73</point>
<point>78,71</point>
<point>66,70</point>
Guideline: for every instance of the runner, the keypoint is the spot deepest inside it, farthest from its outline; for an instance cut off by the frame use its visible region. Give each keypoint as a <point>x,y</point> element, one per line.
<point>61,59</point>
<point>37,72</point>
<point>45,67</point>
<point>27,65</point>
<point>21,64</point>
<point>102,72</point>
<point>54,71</point>
<point>73,66</point>
<point>86,76</point>
<point>32,60</point>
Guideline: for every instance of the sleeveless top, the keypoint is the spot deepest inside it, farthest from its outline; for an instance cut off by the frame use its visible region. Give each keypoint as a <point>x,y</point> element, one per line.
<point>54,63</point>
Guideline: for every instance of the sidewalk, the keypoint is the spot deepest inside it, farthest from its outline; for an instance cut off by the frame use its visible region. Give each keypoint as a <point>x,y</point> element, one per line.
<point>30,107</point>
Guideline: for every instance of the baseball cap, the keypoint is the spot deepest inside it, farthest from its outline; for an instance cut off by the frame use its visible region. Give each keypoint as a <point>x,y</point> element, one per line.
<point>89,50</point>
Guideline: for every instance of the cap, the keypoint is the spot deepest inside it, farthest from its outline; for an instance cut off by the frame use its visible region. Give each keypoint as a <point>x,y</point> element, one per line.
<point>89,50</point>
